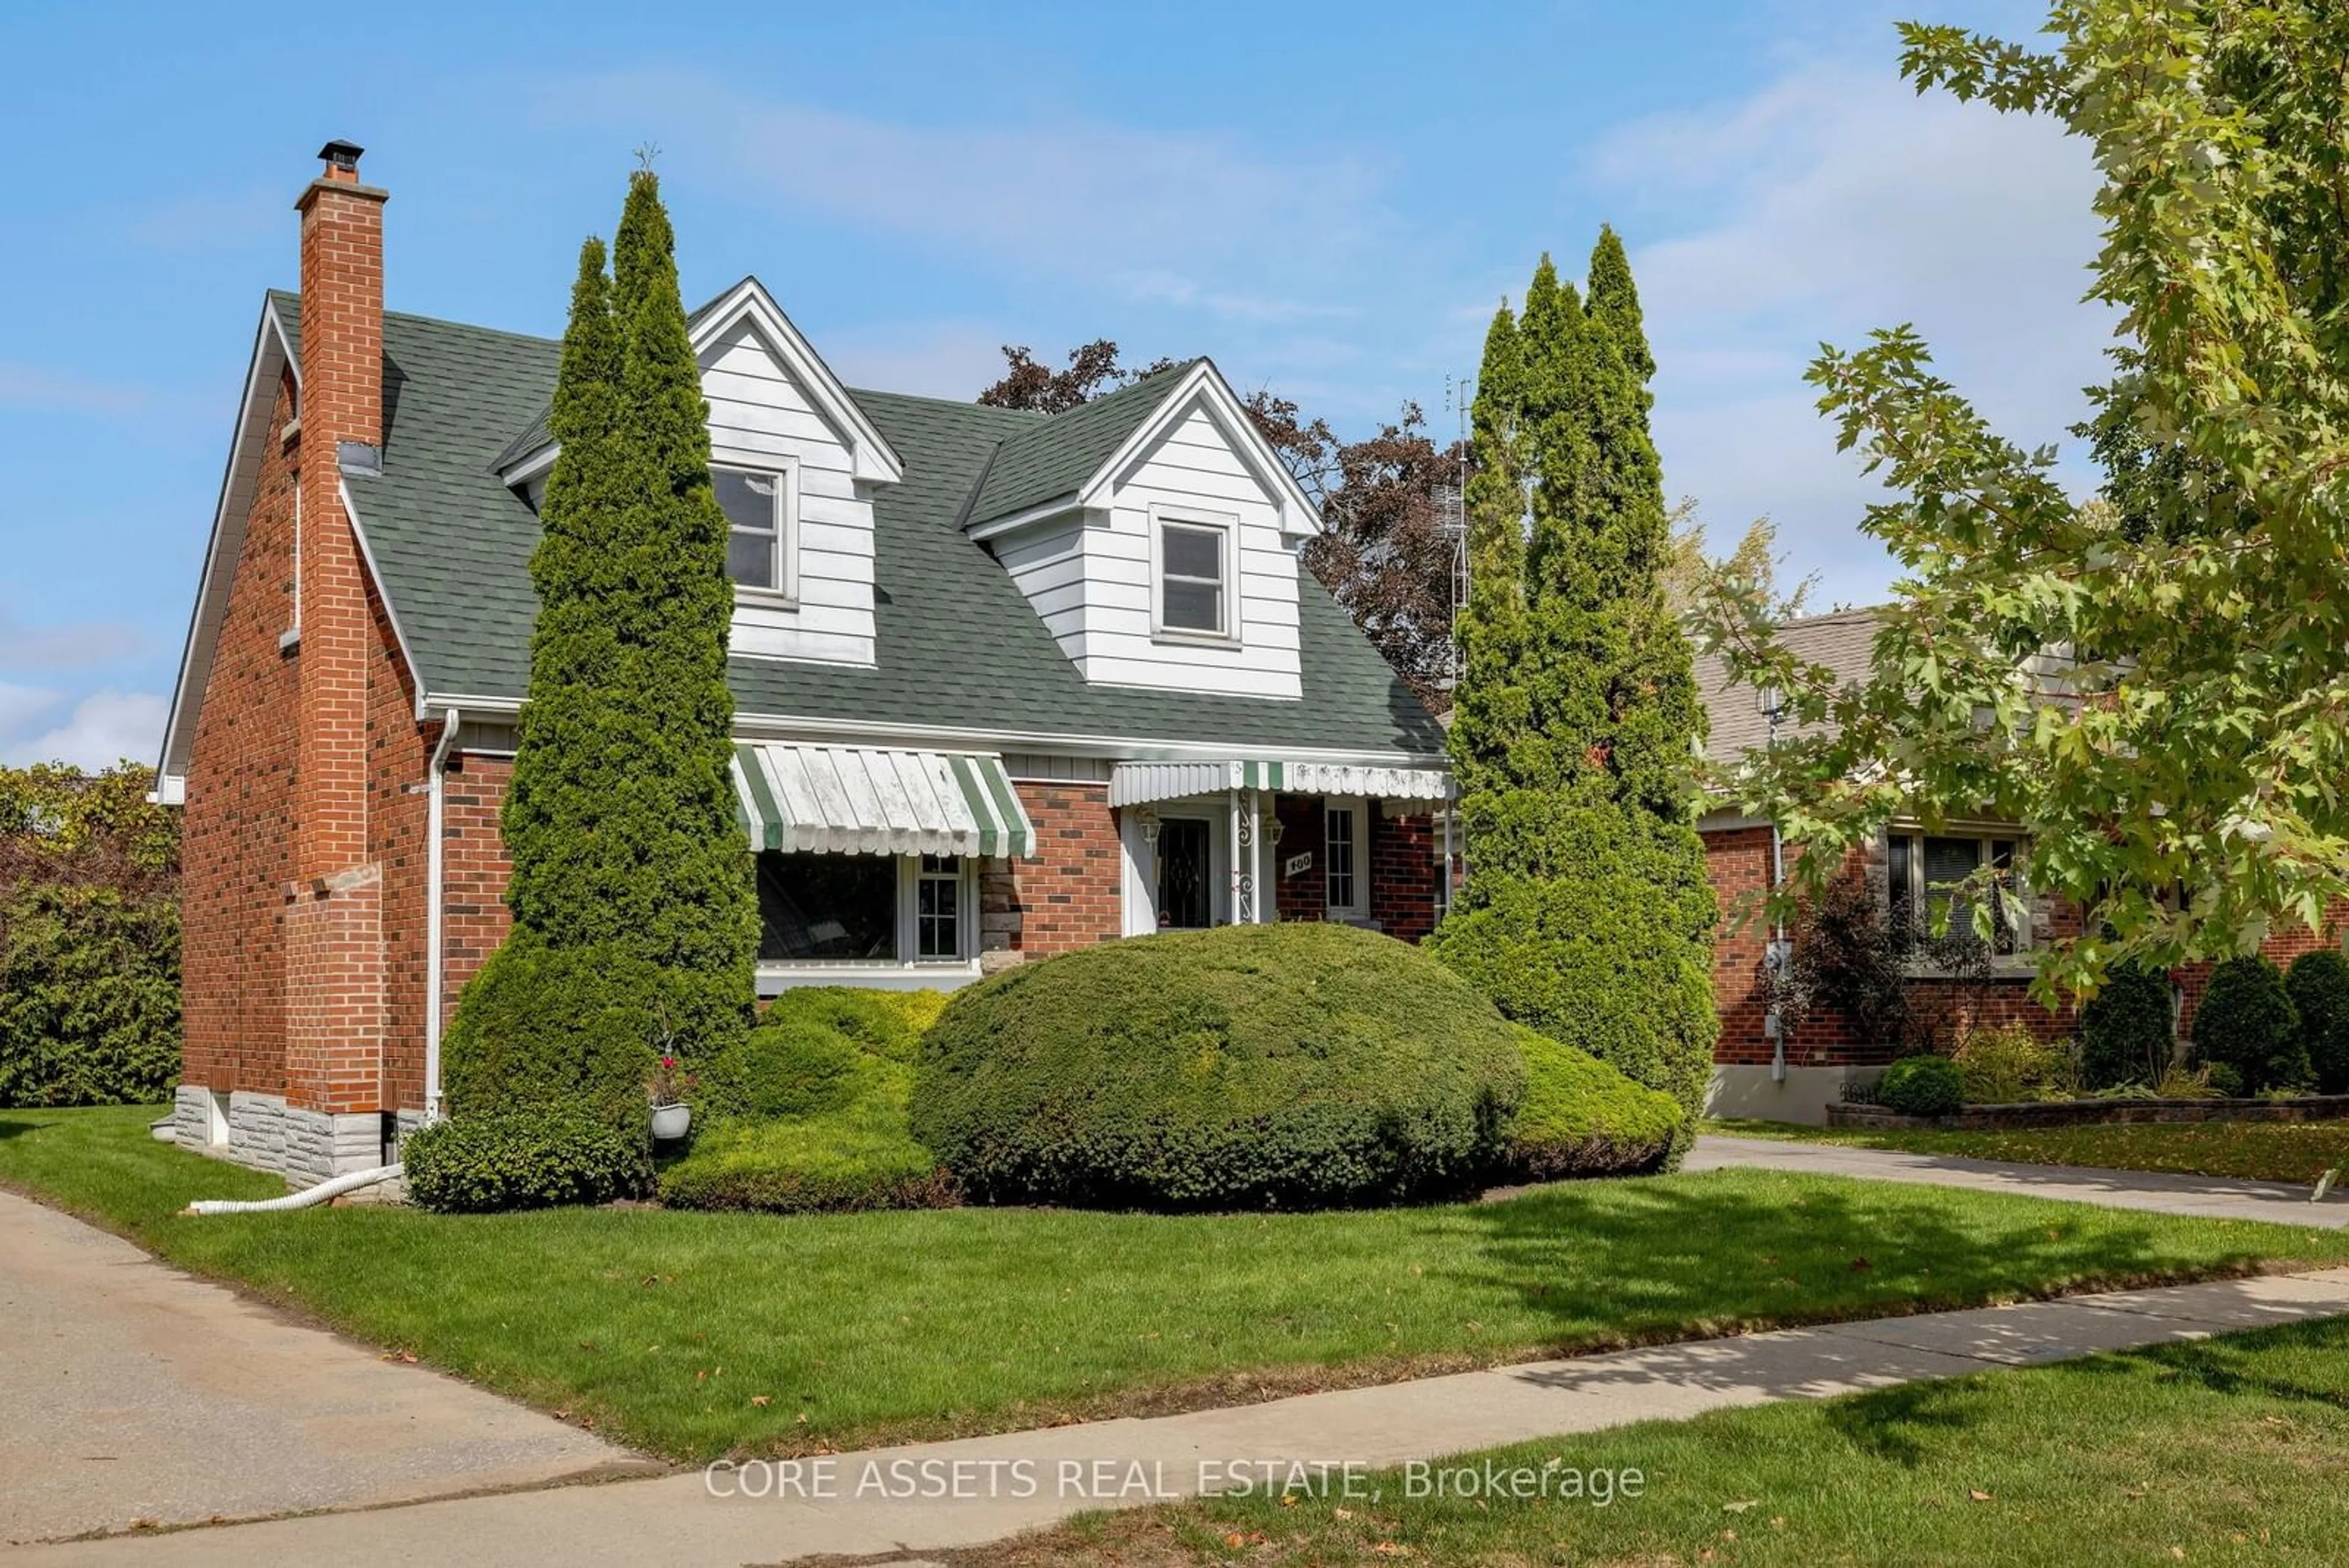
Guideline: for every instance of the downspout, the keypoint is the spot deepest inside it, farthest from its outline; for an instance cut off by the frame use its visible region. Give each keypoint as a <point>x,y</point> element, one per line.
<point>434,813</point>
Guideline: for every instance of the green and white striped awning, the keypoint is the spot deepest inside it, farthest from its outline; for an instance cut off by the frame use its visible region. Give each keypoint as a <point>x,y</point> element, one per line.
<point>1138,783</point>
<point>858,800</point>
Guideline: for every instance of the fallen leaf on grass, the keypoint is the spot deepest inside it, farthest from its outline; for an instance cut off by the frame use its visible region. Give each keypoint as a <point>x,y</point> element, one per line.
<point>1979,1496</point>
<point>1739,1506</point>
<point>759,1400</point>
<point>1861,1265</point>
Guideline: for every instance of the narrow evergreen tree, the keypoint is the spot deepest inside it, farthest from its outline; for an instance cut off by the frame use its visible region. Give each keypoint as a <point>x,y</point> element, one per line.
<point>620,821</point>
<point>1588,912</point>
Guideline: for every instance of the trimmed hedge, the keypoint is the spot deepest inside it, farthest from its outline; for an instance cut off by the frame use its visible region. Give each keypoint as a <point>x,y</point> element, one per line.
<point>2318,984</point>
<point>824,1081</point>
<point>1922,1086</point>
<point>2248,1024</point>
<point>2127,1030</point>
<point>1582,1117</point>
<point>557,1029</point>
<point>521,1160</point>
<point>1247,1066</point>
<point>90,997</point>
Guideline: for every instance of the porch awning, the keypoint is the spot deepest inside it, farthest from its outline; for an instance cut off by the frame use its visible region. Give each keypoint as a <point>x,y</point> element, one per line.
<point>857,800</point>
<point>1137,784</point>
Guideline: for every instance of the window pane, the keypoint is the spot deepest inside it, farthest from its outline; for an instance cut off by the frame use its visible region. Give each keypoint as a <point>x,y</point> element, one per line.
<point>827,906</point>
<point>1183,874</point>
<point>938,907</point>
<point>1948,861</point>
<point>1337,847</point>
<point>1899,881</point>
<point>751,559</point>
<point>747,499</point>
<point>1193,607</point>
<point>1195,553</point>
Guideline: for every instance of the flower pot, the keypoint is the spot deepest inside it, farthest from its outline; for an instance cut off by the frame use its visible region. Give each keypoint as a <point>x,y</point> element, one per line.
<point>670,1122</point>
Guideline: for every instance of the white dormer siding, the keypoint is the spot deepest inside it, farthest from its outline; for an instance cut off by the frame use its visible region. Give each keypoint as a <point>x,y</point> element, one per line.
<point>761,416</point>
<point>1095,573</point>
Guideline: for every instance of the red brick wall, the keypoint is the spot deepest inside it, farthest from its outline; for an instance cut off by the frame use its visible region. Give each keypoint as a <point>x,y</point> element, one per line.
<point>1403,874</point>
<point>237,848</point>
<point>1739,862</point>
<point>473,869</point>
<point>398,752</point>
<point>1070,896</point>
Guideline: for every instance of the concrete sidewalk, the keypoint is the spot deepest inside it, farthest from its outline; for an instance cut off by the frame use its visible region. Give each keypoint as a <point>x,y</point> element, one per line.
<point>2204,1197</point>
<point>134,1392</point>
<point>676,1521</point>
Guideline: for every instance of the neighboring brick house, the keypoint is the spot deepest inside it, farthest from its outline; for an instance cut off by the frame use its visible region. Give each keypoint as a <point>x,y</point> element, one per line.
<point>1006,684</point>
<point>1902,867</point>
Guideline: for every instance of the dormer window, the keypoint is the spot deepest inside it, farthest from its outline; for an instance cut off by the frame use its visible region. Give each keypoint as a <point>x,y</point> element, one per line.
<point>761,507</point>
<point>1195,574</point>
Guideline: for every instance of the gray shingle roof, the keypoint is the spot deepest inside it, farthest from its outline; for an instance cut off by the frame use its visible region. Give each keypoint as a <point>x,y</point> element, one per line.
<point>1843,640</point>
<point>1048,459</point>
<point>957,643</point>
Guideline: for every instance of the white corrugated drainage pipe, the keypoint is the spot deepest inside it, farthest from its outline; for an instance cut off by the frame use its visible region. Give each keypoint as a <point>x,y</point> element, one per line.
<point>306,1199</point>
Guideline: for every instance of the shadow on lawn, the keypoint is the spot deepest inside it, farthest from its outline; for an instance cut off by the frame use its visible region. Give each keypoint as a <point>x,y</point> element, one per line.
<point>1712,1251</point>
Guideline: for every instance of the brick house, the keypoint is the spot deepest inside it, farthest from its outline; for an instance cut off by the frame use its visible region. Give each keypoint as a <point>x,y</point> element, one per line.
<point>1006,684</point>
<point>1756,1073</point>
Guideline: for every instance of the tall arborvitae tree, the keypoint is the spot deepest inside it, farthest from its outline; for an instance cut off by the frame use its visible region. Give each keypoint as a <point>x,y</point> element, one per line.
<point>1587,913</point>
<point>621,818</point>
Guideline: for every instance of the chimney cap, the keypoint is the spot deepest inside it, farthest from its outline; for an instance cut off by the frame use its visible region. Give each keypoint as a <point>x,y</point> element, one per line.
<point>343,155</point>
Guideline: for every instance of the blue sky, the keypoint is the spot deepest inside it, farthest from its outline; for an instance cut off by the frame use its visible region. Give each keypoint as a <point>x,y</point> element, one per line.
<point>1328,199</point>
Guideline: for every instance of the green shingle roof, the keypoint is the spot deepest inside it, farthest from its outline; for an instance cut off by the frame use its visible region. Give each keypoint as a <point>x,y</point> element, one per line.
<point>1047,460</point>
<point>956,643</point>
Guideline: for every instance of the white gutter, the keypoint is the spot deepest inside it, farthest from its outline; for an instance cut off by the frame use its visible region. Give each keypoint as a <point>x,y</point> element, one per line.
<point>433,815</point>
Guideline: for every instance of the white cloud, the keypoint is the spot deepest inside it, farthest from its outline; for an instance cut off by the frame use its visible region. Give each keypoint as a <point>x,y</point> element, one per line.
<point>933,359</point>
<point>1052,198</point>
<point>24,386</point>
<point>1840,201</point>
<point>72,646</point>
<point>24,706</point>
<point>103,729</point>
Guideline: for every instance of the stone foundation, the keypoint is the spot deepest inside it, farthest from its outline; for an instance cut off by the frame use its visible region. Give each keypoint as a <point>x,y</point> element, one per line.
<point>262,1131</point>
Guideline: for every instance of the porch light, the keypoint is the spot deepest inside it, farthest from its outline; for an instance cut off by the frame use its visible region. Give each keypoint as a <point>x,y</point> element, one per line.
<point>1147,820</point>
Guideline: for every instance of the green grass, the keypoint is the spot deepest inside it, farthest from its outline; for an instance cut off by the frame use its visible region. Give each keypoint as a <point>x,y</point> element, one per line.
<point>2233,1451</point>
<point>663,1328</point>
<point>2260,1151</point>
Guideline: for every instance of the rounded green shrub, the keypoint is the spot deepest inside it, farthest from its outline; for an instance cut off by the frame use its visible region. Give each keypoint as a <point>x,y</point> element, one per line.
<point>819,1089</point>
<point>1297,1066</point>
<point>575,1029</point>
<point>1582,1117</point>
<point>2318,984</point>
<point>537,1158</point>
<point>2127,1029</point>
<point>857,1158</point>
<point>2247,1022</point>
<point>89,996</point>
<point>1922,1086</point>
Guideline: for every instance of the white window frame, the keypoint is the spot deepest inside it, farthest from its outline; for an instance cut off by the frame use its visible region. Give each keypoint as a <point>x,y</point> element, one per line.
<point>1919,906</point>
<point>1358,847</point>
<point>910,878</point>
<point>785,471</point>
<point>1227,616</point>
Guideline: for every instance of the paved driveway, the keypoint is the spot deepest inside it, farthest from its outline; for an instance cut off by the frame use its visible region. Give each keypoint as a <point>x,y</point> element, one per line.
<point>132,1392</point>
<point>2209,1196</point>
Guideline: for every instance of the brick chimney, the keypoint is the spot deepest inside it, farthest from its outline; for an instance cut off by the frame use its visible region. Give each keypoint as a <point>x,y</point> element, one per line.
<point>334,925</point>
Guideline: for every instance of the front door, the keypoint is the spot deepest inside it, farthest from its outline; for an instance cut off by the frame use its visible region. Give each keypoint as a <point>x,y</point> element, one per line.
<point>1185,890</point>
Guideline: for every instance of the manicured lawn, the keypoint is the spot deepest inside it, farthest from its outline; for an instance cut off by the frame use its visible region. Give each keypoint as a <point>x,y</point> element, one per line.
<point>2261,1151</point>
<point>692,1335</point>
<point>2233,1451</point>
